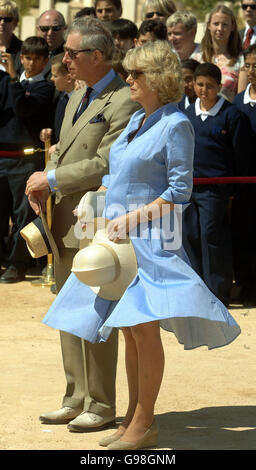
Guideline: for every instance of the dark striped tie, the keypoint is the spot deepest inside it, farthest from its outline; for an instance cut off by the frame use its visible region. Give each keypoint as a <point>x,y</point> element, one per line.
<point>83,105</point>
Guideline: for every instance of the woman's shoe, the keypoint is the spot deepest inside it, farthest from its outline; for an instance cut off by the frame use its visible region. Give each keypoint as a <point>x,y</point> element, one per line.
<point>149,439</point>
<point>109,439</point>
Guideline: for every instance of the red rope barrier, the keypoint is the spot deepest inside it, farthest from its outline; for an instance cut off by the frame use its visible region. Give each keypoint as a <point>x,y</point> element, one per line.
<point>196,181</point>
<point>15,154</point>
<point>225,180</point>
<point>19,153</point>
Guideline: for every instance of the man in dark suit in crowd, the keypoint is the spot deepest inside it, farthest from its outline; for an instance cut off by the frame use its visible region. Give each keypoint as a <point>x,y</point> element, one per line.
<point>51,26</point>
<point>248,34</point>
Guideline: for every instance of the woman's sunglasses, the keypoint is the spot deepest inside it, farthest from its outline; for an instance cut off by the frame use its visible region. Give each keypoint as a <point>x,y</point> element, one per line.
<point>152,13</point>
<point>6,19</point>
<point>135,73</point>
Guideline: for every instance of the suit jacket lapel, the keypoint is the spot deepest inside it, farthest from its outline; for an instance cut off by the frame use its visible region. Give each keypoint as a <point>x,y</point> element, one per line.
<point>94,108</point>
<point>241,32</point>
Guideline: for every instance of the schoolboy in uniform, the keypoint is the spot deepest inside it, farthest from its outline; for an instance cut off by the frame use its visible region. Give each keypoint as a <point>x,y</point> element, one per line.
<point>151,30</point>
<point>65,84</point>
<point>124,33</point>
<point>246,100</point>
<point>188,68</point>
<point>25,108</point>
<point>220,134</point>
<point>244,204</point>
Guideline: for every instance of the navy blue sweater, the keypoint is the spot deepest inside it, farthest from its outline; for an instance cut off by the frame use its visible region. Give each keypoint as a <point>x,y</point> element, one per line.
<point>25,109</point>
<point>220,142</point>
<point>250,112</point>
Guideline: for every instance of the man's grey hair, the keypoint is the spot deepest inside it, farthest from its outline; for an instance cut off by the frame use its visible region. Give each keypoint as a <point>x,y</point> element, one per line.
<point>185,17</point>
<point>94,35</point>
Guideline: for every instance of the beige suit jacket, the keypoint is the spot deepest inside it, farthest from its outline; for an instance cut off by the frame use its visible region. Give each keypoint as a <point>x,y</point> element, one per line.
<point>81,156</point>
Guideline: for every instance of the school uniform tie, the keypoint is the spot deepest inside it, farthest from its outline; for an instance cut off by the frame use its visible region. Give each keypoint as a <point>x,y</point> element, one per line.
<point>25,83</point>
<point>248,38</point>
<point>83,105</point>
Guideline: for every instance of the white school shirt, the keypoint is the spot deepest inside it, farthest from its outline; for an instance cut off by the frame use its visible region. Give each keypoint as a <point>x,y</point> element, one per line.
<point>211,112</point>
<point>247,98</point>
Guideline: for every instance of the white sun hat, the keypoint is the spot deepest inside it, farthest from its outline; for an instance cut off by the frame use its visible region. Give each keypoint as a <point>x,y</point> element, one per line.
<point>106,267</point>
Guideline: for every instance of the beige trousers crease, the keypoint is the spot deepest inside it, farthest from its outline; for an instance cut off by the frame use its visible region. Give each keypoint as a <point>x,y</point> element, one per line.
<point>90,369</point>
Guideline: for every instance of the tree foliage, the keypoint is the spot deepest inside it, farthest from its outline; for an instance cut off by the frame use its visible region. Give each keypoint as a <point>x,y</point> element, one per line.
<point>200,8</point>
<point>25,5</point>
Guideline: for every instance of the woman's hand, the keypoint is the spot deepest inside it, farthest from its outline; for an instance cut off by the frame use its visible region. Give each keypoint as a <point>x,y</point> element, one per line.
<point>118,228</point>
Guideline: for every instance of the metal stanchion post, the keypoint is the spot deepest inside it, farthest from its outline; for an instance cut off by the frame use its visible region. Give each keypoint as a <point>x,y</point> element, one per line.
<point>48,278</point>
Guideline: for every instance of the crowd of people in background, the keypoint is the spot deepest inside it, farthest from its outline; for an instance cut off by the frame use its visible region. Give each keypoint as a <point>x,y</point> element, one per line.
<point>35,86</point>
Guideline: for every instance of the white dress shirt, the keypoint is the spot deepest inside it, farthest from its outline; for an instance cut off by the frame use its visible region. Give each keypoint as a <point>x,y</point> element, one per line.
<point>253,38</point>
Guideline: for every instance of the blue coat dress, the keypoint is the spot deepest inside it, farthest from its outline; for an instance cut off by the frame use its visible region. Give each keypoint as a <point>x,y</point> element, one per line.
<point>157,162</point>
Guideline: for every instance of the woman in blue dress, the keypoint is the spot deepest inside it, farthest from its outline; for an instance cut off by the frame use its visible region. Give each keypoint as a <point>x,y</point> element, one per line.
<point>150,178</point>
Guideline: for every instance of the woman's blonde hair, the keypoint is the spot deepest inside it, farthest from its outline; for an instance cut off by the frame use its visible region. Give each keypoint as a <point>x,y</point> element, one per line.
<point>161,67</point>
<point>11,8</point>
<point>234,46</point>
<point>166,7</point>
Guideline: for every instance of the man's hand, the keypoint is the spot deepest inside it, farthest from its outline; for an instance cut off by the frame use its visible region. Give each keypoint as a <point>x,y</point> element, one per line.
<point>37,182</point>
<point>37,200</point>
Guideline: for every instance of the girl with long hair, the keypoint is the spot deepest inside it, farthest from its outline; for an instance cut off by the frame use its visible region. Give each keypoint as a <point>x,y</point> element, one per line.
<point>221,45</point>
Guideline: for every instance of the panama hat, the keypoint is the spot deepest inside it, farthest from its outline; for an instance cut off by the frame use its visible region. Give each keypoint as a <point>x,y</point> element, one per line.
<point>39,239</point>
<point>106,267</point>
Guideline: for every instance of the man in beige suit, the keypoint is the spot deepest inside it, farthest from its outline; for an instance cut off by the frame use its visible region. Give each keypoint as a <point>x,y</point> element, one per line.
<point>76,166</point>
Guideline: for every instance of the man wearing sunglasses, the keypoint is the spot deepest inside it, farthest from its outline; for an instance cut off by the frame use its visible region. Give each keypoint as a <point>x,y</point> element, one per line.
<point>51,26</point>
<point>248,34</point>
<point>77,166</point>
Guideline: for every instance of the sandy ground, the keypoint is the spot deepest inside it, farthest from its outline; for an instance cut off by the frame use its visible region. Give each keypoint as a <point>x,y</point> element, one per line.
<point>207,400</point>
